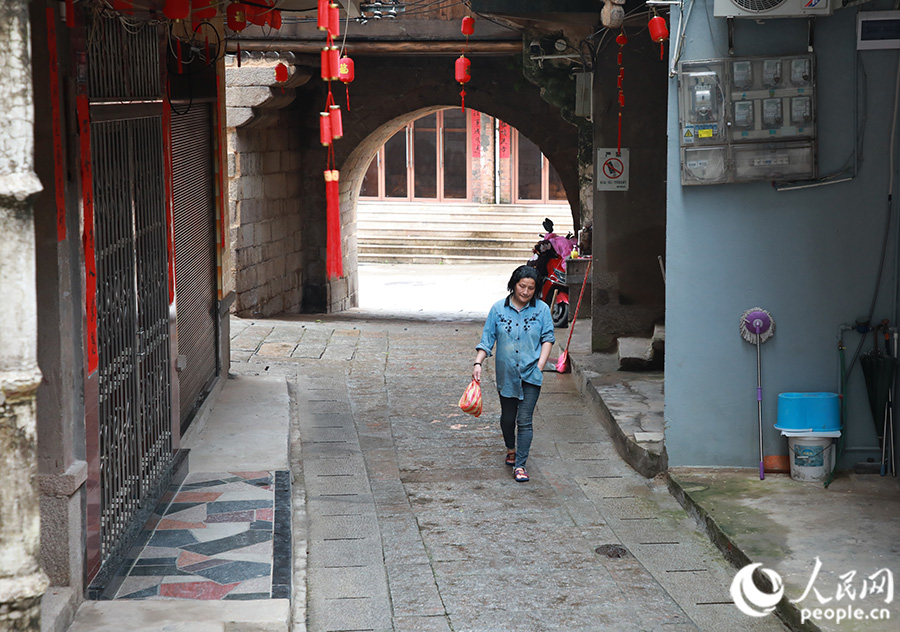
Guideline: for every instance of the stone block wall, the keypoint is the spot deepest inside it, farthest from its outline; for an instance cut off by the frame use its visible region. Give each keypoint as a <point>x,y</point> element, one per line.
<point>265,217</point>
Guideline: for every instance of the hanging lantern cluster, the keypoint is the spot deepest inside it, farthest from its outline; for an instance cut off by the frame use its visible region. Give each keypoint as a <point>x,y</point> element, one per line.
<point>463,66</point>
<point>659,33</point>
<point>621,40</point>
<point>331,128</point>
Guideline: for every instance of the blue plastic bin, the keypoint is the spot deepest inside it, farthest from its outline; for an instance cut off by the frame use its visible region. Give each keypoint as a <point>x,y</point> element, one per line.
<point>813,412</point>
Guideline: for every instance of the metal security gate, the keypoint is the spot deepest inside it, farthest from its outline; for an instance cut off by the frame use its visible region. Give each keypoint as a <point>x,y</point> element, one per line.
<point>195,256</point>
<point>130,438</point>
<point>135,440</point>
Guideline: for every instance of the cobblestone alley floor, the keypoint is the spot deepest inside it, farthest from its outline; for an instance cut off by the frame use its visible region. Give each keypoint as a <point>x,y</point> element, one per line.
<point>406,518</point>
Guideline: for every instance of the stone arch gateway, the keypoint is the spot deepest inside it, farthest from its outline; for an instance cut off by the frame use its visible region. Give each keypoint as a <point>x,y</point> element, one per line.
<point>389,91</point>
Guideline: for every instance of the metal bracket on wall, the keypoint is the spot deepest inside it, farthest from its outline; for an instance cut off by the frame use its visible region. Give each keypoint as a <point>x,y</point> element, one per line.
<point>810,34</point>
<point>730,22</point>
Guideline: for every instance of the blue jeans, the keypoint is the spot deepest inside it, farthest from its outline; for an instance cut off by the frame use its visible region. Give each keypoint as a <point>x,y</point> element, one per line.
<point>516,414</point>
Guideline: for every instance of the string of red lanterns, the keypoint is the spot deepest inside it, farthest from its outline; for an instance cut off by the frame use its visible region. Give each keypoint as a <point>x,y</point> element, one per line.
<point>331,128</point>
<point>463,67</point>
<point>621,40</point>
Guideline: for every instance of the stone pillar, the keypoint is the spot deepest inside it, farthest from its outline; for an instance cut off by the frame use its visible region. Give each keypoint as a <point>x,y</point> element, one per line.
<point>22,583</point>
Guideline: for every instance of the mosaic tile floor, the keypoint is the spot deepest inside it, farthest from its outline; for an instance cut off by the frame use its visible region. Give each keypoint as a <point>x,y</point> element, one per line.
<point>222,536</point>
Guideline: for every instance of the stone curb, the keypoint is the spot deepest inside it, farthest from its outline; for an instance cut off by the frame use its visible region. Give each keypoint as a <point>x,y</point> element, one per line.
<point>788,612</point>
<point>644,462</point>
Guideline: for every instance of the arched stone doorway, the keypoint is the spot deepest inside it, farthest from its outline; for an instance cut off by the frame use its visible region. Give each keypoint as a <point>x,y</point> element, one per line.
<point>389,93</point>
<point>279,220</point>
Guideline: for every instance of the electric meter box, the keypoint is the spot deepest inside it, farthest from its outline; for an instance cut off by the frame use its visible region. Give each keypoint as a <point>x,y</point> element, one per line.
<point>702,103</point>
<point>745,108</point>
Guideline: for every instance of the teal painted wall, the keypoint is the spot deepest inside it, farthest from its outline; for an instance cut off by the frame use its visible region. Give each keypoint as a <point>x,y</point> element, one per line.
<point>810,257</point>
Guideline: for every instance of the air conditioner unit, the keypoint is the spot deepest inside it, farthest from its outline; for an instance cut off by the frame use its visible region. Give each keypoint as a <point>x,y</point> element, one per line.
<point>766,9</point>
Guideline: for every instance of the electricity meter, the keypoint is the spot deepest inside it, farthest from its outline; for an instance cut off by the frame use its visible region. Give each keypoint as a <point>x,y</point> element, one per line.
<point>742,74</point>
<point>800,72</point>
<point>801,111</point>
<point>702,103</point>
<point>743,114</point>
<point>772,73</point>
<point>771,113</point>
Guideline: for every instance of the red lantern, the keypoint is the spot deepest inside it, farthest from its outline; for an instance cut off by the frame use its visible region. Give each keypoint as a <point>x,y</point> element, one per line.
<point>322,15</point>
<point>468,26</point>
<point>334,20</point>
<point>462,76</point>
<point>236,17</point>
<point>325,129</point>
<point>337,122</point>
<point>463,67</point>
<point>256,14</point>
<point>275,19</point>
<point>346,70</point>
<point>177,9</point>
<point>346,73</point>
<point>203,10</point>
<point>281,73</point>
<point>658,32</point>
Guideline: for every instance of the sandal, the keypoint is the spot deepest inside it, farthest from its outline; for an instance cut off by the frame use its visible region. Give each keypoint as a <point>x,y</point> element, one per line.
<point>511,457</point>
<point>520,475</point>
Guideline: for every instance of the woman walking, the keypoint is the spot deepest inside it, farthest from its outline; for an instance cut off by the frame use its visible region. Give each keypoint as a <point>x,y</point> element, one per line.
<point>522,328</point>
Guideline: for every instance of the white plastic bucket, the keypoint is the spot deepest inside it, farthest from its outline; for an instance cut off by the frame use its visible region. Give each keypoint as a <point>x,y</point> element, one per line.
<point>812,458</point>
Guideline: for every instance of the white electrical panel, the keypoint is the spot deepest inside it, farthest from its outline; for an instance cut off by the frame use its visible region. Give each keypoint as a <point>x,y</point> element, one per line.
<point>773,161</point>
<point>757,112</point>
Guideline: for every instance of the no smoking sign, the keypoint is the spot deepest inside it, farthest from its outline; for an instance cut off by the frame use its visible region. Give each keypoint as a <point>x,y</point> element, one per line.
<point>612,170</point>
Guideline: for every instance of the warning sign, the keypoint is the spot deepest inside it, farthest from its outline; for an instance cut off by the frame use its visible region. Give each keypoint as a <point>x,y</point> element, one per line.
<point>612,170</point>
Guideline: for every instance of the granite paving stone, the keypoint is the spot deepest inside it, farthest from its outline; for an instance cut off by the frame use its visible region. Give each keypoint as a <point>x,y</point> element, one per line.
<point>415,523</point>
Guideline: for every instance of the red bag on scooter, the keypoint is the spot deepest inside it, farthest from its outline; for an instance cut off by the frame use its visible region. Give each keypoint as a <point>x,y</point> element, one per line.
<point>470,402</point>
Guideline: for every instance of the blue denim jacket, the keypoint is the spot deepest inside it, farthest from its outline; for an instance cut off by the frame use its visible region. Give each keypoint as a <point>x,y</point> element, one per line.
<point>519,336</point>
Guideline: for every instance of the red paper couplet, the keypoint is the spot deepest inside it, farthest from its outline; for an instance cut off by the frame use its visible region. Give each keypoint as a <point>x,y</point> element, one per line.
<point>87,200</point>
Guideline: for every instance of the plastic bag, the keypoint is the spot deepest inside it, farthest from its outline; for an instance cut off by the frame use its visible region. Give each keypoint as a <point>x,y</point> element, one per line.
<point>470,402</point>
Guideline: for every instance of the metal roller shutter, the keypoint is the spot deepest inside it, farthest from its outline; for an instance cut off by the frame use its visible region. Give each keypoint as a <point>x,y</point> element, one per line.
<point>195,256</point>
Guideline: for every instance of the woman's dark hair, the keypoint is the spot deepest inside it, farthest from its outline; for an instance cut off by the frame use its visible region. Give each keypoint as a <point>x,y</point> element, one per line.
<point>522,272</point>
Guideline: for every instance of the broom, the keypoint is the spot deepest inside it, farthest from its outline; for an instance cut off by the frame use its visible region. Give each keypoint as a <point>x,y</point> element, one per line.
<point>562,364</point>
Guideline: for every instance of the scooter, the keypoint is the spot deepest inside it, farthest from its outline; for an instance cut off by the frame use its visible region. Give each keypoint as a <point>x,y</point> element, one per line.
<point>550,261</point>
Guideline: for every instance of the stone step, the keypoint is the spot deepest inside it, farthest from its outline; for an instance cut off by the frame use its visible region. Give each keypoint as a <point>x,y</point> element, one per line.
<point>394,232</point>
<point>450,224</point>
<point>384,239</point>
<point>393,257</point>
<point>262,615</point>
<point>642,354</point>
<point>462,251</point>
